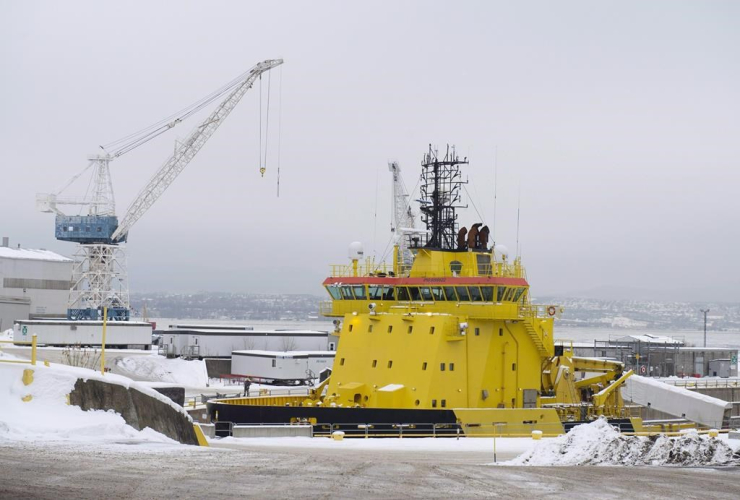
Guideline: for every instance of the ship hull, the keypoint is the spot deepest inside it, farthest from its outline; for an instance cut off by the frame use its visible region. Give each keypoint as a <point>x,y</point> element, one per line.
<point>376,422</point>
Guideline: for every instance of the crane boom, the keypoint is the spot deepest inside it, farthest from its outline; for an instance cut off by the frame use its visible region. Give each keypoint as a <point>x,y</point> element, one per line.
<point>186,151</point>
<point>403,216</point>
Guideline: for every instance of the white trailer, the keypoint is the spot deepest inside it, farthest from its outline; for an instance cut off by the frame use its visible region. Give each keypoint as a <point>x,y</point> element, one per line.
<point>219,342</point>
<point>123,334</point>
<point>290,367</point>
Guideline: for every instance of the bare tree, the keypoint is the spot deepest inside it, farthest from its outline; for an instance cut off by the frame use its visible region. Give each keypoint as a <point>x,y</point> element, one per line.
<point>289,344</point>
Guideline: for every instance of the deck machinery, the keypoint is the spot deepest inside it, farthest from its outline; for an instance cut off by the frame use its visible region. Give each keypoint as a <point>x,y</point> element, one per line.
<point>453,344</point>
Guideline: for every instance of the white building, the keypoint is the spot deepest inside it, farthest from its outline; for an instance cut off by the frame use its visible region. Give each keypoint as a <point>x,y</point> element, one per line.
<point>280,367</point>
<point>203,341</point>
<point>33,284</point>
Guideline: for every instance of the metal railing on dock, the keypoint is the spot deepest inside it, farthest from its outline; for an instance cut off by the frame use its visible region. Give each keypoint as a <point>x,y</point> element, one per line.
<point>33,345</point>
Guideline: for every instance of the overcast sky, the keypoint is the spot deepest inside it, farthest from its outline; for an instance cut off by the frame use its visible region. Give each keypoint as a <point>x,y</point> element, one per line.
<point>616,126</point>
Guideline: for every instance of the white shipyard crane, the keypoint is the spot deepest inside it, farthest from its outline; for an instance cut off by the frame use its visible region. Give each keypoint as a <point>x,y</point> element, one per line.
<point>403,219</point>
<point>99,273</point>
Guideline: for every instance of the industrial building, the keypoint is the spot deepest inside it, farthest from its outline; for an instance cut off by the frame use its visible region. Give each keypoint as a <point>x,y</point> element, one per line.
<point>33,284</point>
<point>663,356</point>
<point>280,367</point>
<point>214,341</point>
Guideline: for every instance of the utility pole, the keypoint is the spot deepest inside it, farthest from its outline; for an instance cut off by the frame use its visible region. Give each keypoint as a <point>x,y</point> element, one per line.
<point>705,311</point>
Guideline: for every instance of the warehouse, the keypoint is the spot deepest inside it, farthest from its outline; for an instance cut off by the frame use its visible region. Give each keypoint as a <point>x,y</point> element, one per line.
<point>203,341</point>
<point>33,284</point>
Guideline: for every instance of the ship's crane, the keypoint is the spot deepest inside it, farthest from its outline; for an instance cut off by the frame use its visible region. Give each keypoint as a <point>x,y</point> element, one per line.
<point>99,272</point>
<point>403,221</point>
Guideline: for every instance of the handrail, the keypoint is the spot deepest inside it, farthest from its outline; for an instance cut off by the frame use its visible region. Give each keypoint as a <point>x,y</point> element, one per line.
<point>32,342</point>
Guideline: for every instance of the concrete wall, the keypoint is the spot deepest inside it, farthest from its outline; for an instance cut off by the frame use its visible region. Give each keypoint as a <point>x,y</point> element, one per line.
<point>137,409</point>
<point>218,367</point>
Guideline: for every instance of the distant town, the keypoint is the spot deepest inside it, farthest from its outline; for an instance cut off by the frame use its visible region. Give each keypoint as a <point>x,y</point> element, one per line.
<point>592,313</point>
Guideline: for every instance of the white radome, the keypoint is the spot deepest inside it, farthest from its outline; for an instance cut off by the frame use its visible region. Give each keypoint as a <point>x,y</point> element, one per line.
<point>355,251</point>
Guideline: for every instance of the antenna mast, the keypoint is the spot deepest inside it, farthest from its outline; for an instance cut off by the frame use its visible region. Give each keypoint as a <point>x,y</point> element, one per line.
<point>441,181</point>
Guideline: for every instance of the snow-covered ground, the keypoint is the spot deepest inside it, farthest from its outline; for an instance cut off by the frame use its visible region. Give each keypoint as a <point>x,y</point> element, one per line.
<point>505,447</point>
<point>598,443</point>
<point>157,368</point>
<point>47,417</point>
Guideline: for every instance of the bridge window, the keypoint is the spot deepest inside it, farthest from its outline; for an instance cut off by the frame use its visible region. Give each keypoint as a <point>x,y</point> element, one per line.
<point>347,292</point>
<point>500,292</point>
<point>334,292</point>
<point>437,293</point>
<point>388,293</point>
<point>462,292</point>
<point>359,292</point>
<point>426,293</point>
<point>475,294</point>
<point>487,292</point>
<point>450,293</point>
<point>484,264</point>
<point>518,294</point>
<point>509,294</point>
<point>414,293</point>
<point>403,293</point>
<point>375,292</point>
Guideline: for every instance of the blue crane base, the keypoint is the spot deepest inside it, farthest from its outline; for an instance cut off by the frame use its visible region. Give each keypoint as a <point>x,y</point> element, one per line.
<point>92,314</point>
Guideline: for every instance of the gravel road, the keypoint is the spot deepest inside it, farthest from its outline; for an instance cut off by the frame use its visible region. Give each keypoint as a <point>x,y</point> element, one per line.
<point>144,471</point>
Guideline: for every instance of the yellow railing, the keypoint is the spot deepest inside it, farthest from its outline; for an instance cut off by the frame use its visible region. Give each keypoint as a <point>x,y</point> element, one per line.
<point>539,311</point>
<point>368,268</point>
<point>699,383</point>
<point>32,343</point>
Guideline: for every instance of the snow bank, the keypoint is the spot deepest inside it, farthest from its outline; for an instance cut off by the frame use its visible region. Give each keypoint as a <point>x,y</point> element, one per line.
<point>598,443</point>
<point>156,368</point>
<point>48,417</point>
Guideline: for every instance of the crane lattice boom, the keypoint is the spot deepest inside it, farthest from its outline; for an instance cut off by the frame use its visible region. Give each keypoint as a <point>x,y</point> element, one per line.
<point>169,171</point>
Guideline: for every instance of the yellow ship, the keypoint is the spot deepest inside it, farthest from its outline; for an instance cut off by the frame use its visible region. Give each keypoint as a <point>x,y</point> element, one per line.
<point>446,342</point>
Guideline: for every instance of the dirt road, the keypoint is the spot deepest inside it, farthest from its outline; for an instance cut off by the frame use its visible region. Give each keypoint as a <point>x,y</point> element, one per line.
<point>139,471</point>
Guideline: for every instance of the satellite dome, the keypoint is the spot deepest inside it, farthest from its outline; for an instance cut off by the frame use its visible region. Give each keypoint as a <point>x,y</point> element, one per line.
<point>355,251</point>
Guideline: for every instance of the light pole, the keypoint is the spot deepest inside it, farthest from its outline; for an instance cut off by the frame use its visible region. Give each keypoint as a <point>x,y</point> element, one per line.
<point>705,311</point>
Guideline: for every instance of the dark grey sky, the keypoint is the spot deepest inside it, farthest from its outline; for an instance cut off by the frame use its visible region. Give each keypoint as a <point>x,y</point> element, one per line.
<point>619,120</point>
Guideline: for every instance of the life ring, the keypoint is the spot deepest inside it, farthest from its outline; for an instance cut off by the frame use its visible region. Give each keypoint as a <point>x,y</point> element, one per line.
<point>551,310</point>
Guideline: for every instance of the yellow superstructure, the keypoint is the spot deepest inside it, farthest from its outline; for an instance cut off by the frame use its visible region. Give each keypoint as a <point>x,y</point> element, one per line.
<point>449,336</point>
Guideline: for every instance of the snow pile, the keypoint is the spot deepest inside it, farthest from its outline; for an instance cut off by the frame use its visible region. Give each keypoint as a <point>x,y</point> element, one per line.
<point>6,335</point>
<point>156,368</point>
<point>48,417</point>
<point>598,443</point>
